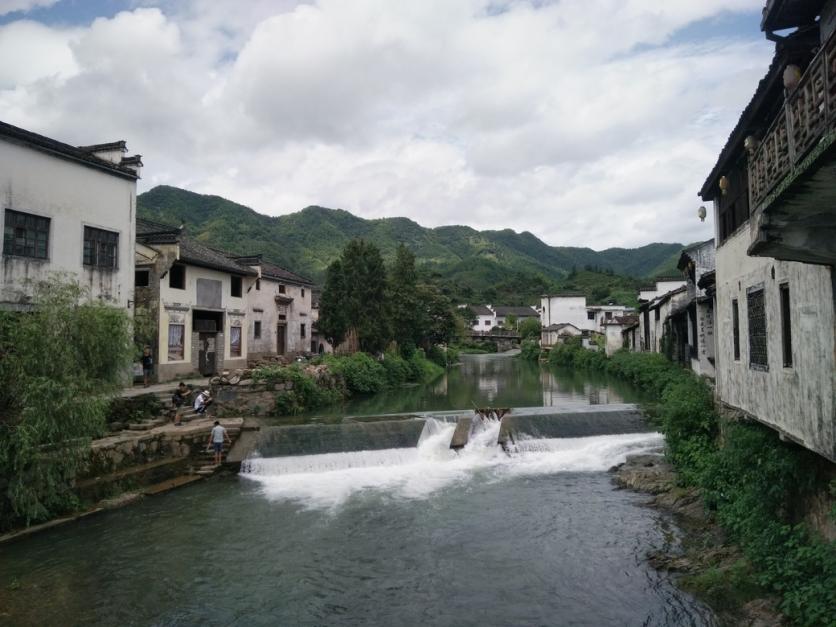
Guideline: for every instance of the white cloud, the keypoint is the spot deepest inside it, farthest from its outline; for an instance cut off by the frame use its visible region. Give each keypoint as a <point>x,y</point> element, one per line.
<point>584,123</point>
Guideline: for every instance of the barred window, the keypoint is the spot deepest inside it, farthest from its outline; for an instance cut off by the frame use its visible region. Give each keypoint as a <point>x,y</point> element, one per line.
<point>100,248</point>
<point>25,235</point>
<point>757,330</point>
<point>257,329</point>
<point>735,329</point>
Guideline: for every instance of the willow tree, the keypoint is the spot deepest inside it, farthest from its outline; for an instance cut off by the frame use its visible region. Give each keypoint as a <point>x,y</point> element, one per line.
<point>60,364</point>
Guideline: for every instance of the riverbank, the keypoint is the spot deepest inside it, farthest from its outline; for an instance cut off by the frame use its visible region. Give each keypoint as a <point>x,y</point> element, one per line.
<point>701,559</point>
<point>773,499</point>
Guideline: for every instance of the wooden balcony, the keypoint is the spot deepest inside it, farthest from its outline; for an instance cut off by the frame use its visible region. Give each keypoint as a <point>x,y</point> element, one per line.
<point>792,180</point>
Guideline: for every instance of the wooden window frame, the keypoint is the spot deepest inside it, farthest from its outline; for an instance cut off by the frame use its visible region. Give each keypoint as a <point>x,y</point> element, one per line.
<point>177,352</point>
<point>26,235</point>
<point>757,328</point>
<point>235,348</point>
<point>101,248</point>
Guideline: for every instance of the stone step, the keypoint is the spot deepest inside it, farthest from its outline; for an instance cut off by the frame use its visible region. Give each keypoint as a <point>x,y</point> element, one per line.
<point>141,426</point>
<point>170,484</point>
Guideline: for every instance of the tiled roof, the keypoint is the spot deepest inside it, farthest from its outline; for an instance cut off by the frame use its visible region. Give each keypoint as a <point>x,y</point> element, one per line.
<point>480,310</point>
<point>81,155</point>
<point>272,271</point>
<point>558,327</point>
<point>191,251</point>
<point>520,312</point>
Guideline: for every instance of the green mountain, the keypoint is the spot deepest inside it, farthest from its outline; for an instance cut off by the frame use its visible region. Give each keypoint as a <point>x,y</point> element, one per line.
<point>467,263</point>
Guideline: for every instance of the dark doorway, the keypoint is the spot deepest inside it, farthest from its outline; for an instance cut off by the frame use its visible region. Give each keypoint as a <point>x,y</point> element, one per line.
<point>207,324</point>
<point>281,339</point>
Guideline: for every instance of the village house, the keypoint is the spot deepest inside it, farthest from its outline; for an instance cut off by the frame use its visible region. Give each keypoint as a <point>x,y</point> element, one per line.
<point>193,301</point>
<point>558,333</point>
<point>319,343</point>
<point>773,191</point>
<point>614,333</point>
<point>697,352</point>
<point>503,313</point>
<point>278,309</point>
<point>66,209</point>
<point>571,309</point>
<point>484,319</point>
<point>654,305</point>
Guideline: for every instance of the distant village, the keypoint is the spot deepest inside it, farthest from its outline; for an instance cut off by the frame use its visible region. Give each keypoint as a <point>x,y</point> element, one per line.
<point>752,308</point>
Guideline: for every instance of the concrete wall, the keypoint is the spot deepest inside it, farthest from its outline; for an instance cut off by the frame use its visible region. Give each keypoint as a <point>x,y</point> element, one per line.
<point>262,306</point>
<point>176,307</point>
<point>72,196</point>
<point>798,401</point>
<point>560,309</point>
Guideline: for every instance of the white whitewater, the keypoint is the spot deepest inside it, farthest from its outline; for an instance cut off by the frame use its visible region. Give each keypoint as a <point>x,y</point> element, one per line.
<point>329,480</point>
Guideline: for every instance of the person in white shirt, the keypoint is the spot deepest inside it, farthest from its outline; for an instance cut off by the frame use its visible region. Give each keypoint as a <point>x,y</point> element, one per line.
<point>201,402</point>
<point>216,441</point>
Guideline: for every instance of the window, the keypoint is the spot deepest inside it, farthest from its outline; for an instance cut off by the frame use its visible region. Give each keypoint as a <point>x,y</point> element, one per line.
<point>487,323</point>
<point>282,316</point>
<point>608,315</point>
<point>142,278</point>
<point>757,329</point>
<point>235,341</point>
<point>25,235</point>
<point>176,336</point>
<point>177,277</point>
<point>303,292</point>
<point>101,248</point>
<point>257,329</point>
<point>258,285</point>
<point>656,314</point>
<point>235,286</point>
<point>590,315</point>
<point>733,207</point>
<point>735,322</point>
<point>302,329</point>
<point>786,325</point>
<point>282,289</point>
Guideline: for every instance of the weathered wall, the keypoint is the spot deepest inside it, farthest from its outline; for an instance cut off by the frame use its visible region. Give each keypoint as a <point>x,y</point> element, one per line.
<point>176,308</point>
<point>262,306</point>
<point>560,309</point>
<point>799,400</point>
<point>72,196</point>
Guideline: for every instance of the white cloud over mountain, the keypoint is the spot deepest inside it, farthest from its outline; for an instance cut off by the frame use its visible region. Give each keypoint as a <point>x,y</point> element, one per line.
<point>586,123</point>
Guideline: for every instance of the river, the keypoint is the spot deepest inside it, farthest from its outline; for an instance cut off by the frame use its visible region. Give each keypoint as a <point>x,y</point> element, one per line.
<point>418,536</point>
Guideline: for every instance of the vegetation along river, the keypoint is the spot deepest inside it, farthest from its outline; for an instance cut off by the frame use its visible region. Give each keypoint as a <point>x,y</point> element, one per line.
<point>419,536</point>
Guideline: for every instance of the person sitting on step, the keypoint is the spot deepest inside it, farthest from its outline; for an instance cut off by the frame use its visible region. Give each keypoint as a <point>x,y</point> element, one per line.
<point>203,400</point>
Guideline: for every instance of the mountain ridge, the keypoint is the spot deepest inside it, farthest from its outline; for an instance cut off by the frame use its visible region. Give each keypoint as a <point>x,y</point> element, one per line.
<point>307,241</point>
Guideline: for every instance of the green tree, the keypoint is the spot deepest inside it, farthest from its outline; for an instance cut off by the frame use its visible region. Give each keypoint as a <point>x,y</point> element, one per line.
<point>60,364</point>
<point>402,298</point>
<point>354,297</point>
<point>530,329</point>
<point>437,320</point>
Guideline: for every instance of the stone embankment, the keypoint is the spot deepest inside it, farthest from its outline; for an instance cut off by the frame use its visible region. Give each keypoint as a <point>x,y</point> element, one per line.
<point>702,548</point>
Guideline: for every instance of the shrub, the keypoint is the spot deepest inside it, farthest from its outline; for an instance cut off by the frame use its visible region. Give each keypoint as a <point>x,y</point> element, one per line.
<point>361,372</point>
<point>530,350</point>
<point>306,393</point>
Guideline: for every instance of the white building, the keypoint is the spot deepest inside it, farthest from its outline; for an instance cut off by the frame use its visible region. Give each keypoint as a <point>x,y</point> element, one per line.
<point>614,333</point>
<point>503,312</point>
<point>194,297</point>
<point>655,331</point>
<point>697,265</point>
<point>66,209</point>
<point>483,316</point>
<point>558,333</point>
<point>772,191</point>
<point>279,310</point>
<point>571,308</point>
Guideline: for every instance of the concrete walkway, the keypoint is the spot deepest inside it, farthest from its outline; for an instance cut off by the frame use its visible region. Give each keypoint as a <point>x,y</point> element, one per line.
<point>139,390</point>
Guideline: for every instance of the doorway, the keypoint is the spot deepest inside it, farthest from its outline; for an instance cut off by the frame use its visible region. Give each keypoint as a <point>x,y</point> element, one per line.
<point>281,339</point>
<point>206,354</point>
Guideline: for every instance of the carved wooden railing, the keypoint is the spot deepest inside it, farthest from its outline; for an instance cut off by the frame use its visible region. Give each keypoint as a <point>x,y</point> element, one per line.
<point>808,113</point>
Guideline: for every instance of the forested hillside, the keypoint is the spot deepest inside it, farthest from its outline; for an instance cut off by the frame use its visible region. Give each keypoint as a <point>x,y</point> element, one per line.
<point>485,266</point>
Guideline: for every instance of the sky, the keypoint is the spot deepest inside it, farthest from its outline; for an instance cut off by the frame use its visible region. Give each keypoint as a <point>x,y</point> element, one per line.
<point>586,122</point>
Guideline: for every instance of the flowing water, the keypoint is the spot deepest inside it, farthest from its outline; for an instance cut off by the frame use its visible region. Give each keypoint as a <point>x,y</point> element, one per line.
<point>536,535</point>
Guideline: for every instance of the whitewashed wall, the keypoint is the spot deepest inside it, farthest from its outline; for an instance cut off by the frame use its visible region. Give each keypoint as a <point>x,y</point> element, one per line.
<point>72,196</point>
<point>798,401</point>
<point>262,306</point>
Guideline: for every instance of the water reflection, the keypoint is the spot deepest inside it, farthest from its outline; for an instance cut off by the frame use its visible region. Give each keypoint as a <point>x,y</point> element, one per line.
<point>496,380</point>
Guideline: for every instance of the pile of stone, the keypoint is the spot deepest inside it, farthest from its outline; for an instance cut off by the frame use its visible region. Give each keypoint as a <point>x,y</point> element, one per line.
<point>270,360</point>
<point>239,376</point>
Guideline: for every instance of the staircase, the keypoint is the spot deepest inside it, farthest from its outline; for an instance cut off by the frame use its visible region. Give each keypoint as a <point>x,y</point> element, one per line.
<point>206,459</point>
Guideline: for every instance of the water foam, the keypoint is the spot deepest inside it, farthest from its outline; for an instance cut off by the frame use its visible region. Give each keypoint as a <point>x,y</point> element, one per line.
<point>329,480</point>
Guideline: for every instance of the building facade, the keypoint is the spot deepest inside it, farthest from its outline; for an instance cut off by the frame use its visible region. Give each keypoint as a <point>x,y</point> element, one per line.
<point>695,263</point>
<point>773,190</point>
<point>571,309</point>
<point>279,307</point>
<point>193,299</point>
<point>69,210</point>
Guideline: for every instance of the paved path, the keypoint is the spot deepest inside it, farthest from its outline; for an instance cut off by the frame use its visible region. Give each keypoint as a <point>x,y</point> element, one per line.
<point>139,390</point>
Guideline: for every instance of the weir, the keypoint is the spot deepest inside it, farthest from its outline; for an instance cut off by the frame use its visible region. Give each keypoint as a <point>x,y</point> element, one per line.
<point>406,432</point>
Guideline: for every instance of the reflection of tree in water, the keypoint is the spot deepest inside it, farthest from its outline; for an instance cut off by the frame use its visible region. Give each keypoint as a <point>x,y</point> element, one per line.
<point>491,380</point>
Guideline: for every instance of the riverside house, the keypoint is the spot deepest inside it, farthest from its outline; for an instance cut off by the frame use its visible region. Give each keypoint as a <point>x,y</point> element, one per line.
<point>194,299</point>
<point>696,321</point>
<point>503,312</point>
<point>485,318</point>
<point>67,209</point>
<point>656,303</point>
<point>279,310</point>
<point>773,191</point>
<point>570,308</point>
